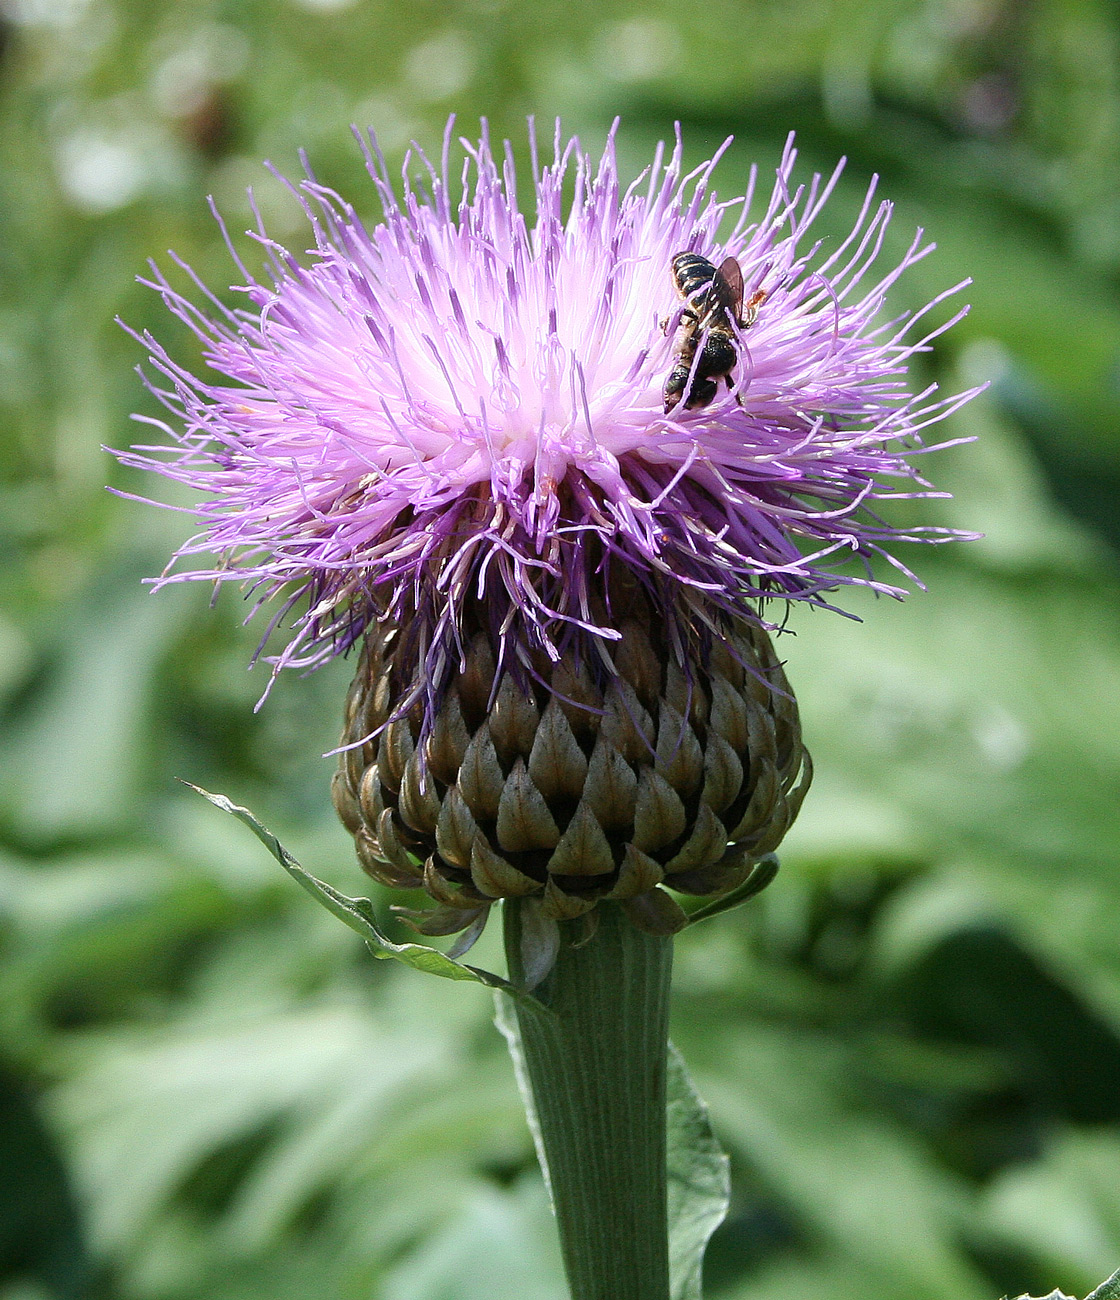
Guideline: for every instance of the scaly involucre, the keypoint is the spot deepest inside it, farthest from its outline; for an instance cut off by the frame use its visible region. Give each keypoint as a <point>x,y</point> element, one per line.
<point>461,407</point>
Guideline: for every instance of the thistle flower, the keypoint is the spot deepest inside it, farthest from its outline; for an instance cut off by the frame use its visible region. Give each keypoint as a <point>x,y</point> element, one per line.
<point>449,431</point>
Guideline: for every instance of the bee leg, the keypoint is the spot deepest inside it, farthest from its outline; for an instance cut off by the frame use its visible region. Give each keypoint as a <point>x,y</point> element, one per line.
<point>750,312</point>
<point>686,315</point>
<point>730,385</point>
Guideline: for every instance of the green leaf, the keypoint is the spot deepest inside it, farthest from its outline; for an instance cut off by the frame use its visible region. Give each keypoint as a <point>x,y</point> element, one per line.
<point>1109,1289</point>
<point>506,1024</point>
<point>358,913</point>
<point>1053,1295</point>
<point>699,1181</point>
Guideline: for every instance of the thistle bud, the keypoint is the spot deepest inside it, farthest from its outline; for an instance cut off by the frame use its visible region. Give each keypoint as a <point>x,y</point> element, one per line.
<point>446,429</point>
<point>572,783</point>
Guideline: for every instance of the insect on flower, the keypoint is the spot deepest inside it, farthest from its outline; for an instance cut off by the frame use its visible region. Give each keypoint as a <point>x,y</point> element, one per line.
<point>706,347</point>
<point>447,436</point>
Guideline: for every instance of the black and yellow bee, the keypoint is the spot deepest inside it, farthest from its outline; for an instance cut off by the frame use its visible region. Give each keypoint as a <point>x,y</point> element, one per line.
<point>715,308</point>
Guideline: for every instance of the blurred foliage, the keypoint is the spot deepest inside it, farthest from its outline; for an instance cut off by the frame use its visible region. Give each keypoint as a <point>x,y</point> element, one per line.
<point>911,1042</point>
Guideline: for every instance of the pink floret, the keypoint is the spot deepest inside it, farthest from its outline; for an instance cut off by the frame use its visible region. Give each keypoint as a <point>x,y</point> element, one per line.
<point>462,405</point>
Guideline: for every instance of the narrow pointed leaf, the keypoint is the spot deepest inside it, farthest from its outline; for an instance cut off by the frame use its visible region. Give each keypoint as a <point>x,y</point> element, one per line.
<point>699,1181</point>
<point>358,913</point>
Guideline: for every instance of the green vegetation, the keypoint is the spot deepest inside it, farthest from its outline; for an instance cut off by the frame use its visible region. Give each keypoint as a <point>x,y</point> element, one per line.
<point>910,1043</point>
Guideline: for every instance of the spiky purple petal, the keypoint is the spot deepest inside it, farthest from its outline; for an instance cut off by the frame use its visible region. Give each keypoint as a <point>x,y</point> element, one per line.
<point>459,408</point>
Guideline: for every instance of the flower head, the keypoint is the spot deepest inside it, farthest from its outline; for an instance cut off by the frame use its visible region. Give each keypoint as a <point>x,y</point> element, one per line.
<point>458,413</point>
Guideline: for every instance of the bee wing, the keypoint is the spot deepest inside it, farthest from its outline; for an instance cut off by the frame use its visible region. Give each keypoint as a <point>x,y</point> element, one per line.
<point>731,274</point>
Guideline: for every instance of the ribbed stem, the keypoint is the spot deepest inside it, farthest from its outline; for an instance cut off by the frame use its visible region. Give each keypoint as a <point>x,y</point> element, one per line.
<point>596,1068</point>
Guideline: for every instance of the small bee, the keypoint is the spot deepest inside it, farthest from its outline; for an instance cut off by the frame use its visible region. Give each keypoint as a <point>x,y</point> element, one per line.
<point>715,301</point>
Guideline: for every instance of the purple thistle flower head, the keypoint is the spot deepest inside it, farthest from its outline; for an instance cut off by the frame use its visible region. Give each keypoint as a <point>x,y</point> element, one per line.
<point>459,412</point>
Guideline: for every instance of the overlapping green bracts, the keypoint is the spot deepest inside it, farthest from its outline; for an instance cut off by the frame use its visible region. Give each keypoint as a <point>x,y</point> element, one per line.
<point>570,785</point>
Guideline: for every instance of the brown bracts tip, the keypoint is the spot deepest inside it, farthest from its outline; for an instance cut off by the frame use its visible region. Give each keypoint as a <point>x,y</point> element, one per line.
<point>570,789</point>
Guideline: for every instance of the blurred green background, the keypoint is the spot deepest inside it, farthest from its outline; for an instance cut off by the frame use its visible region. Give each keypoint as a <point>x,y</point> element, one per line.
<point>911,1042</point>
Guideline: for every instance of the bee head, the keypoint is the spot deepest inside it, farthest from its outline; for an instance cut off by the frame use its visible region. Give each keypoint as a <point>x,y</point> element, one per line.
<point>701,393</point>
<point>675,385</point>
<point>703,390</point>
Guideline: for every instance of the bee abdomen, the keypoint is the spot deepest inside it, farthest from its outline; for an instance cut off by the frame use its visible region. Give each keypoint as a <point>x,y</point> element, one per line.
<point>691,273</point>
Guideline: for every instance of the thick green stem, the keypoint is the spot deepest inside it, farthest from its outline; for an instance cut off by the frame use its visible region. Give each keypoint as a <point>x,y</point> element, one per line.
<point>596,1067</point>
